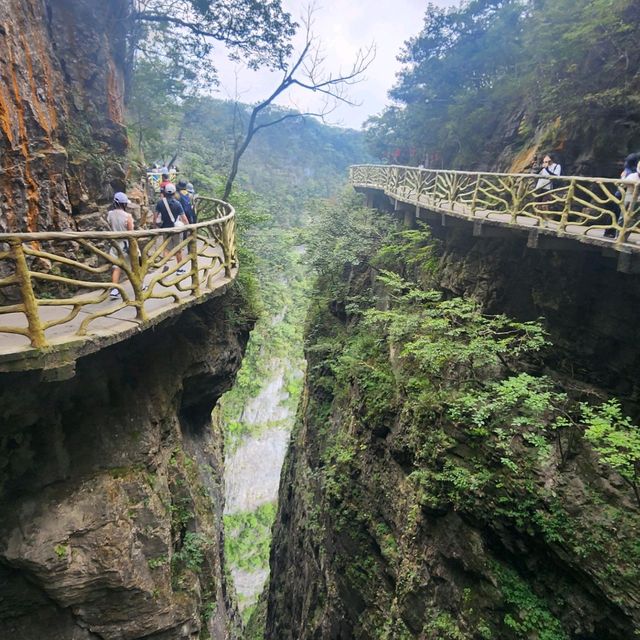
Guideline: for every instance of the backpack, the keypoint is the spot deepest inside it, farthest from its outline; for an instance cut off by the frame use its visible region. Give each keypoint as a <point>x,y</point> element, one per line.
<point>185,201</point>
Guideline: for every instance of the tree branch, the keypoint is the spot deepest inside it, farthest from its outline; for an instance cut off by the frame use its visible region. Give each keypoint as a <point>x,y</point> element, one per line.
<point>306,72</point>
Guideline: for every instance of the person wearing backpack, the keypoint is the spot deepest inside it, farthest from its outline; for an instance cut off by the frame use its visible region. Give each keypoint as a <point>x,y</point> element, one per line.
<point>184,197</point>
<point>170,214</point>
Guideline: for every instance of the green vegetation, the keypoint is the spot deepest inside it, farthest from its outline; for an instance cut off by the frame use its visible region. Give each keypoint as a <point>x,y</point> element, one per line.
<point>61,550</point>
<point>192,553</point>
<point>425,404</point>
<point>487,80</point>
<point>528,613</point>
<point>616,439</point>
<point>186,33</point>
<point>156,563</point>
<point>248,537</point>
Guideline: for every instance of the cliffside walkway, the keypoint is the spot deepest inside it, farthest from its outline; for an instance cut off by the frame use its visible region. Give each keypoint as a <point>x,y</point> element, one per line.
<point>54,287</point>
<point>577,208</point>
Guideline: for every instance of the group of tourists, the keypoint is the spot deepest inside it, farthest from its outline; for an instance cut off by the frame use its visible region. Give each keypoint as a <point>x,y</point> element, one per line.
<point>175,208</point>
<point>627,191</point>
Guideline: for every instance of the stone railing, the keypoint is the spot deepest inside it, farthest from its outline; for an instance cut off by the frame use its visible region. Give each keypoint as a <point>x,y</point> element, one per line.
<point>55,287</point>
<point>584,207</point>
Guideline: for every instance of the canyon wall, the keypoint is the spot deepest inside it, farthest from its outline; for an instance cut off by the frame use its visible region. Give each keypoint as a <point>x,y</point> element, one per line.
<point>111,489</point>
<point>62,134</point>
<point>398,521</point>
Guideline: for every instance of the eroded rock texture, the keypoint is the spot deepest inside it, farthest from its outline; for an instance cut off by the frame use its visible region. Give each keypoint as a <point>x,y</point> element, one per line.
<point>62,130</point>
<point>396,523</point>
<point>111,489</point>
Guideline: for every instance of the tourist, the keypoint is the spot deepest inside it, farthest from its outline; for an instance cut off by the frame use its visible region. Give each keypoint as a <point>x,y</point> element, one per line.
<point>630,166</point>
<point>184,197</point>
<point>192,194</point>
<point>119,220</point>
<point>631,188</point>
<point>544,186</point>
<point>170,214</point>
<point>550,167</point>
<point>164,172</point>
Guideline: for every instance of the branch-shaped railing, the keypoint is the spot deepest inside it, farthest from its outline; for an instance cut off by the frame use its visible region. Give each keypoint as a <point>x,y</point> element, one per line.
<point>572,205</point>
<point>62,280</point>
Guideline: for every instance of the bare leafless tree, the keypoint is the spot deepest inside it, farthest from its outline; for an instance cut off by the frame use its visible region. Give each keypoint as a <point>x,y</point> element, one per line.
<point>306,70</point>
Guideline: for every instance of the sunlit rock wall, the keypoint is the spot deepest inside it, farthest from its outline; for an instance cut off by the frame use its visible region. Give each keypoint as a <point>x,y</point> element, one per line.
<point>62,132</point>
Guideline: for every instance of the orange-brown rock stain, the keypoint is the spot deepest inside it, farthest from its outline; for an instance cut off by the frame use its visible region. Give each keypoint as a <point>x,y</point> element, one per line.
<point>47,75</point>
<point>43,119</point>
<point>523,161</point>
<point>114,95</point>
<point>5,116</point>
<point>33,191</point>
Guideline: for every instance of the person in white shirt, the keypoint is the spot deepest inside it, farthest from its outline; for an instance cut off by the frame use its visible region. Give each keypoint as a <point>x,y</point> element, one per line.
<point>119,220</point>
<point>549,168</point>
<point>631,189</point>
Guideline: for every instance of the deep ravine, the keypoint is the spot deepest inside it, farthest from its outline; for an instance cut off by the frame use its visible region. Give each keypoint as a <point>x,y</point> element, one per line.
<point>418,501</point>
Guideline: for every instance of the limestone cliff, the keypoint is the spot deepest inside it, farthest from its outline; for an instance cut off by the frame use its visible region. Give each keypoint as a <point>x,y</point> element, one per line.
<point>62,135</point>
<point>111,489</point>
<point>399,518</point>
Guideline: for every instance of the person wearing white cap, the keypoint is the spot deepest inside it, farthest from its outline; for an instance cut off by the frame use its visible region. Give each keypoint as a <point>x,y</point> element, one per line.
<point>119,220</point>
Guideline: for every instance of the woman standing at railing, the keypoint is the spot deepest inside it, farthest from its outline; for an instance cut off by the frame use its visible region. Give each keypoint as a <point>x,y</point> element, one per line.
<point>119,220</point>
<point>550,169</point>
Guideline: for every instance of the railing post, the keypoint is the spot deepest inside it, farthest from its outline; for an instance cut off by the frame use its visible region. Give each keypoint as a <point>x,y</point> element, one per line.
<point>474,198</point>
<point>435,188</point>
<point>515,186</point>
<point>195,271</point>
<point>566,210</point>
<point>137,279</point>
<point>226,247</point>
<point>36,332</point>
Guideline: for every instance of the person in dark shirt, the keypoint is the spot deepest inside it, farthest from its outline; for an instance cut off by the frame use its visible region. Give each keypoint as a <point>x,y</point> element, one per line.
<point>184,197</point>
<point>170,214</point>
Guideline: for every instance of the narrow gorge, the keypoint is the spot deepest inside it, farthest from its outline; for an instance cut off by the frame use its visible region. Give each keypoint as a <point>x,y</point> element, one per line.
<point>427,492</point>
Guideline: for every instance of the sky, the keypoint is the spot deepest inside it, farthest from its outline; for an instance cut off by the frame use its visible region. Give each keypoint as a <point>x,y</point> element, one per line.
<point>343,27</point>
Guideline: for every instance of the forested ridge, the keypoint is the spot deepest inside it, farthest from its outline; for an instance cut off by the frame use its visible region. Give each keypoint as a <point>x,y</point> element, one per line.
<point>490,83</point>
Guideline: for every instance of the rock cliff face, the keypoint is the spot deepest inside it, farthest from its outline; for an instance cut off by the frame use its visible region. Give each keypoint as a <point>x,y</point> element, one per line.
<point>62,133</point>
<point>396,522</point>
<point>111,489</point>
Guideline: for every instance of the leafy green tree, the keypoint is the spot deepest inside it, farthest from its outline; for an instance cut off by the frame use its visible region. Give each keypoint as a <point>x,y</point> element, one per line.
<point>616,439</point>
<point>492,78</point>
<point>185,31</point>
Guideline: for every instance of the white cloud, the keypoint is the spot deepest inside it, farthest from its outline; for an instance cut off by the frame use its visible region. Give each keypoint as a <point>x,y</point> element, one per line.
<point>343,28</point>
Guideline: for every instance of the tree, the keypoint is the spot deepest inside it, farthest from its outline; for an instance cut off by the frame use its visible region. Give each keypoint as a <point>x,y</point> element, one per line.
<point>616,439</point>
<point>184,31</point>
<point>306,71</point>
<point>487,80</point>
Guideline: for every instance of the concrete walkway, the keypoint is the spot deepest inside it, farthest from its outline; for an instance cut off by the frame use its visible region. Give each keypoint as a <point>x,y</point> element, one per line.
<point>583,233</point>
<point>117,320</point>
